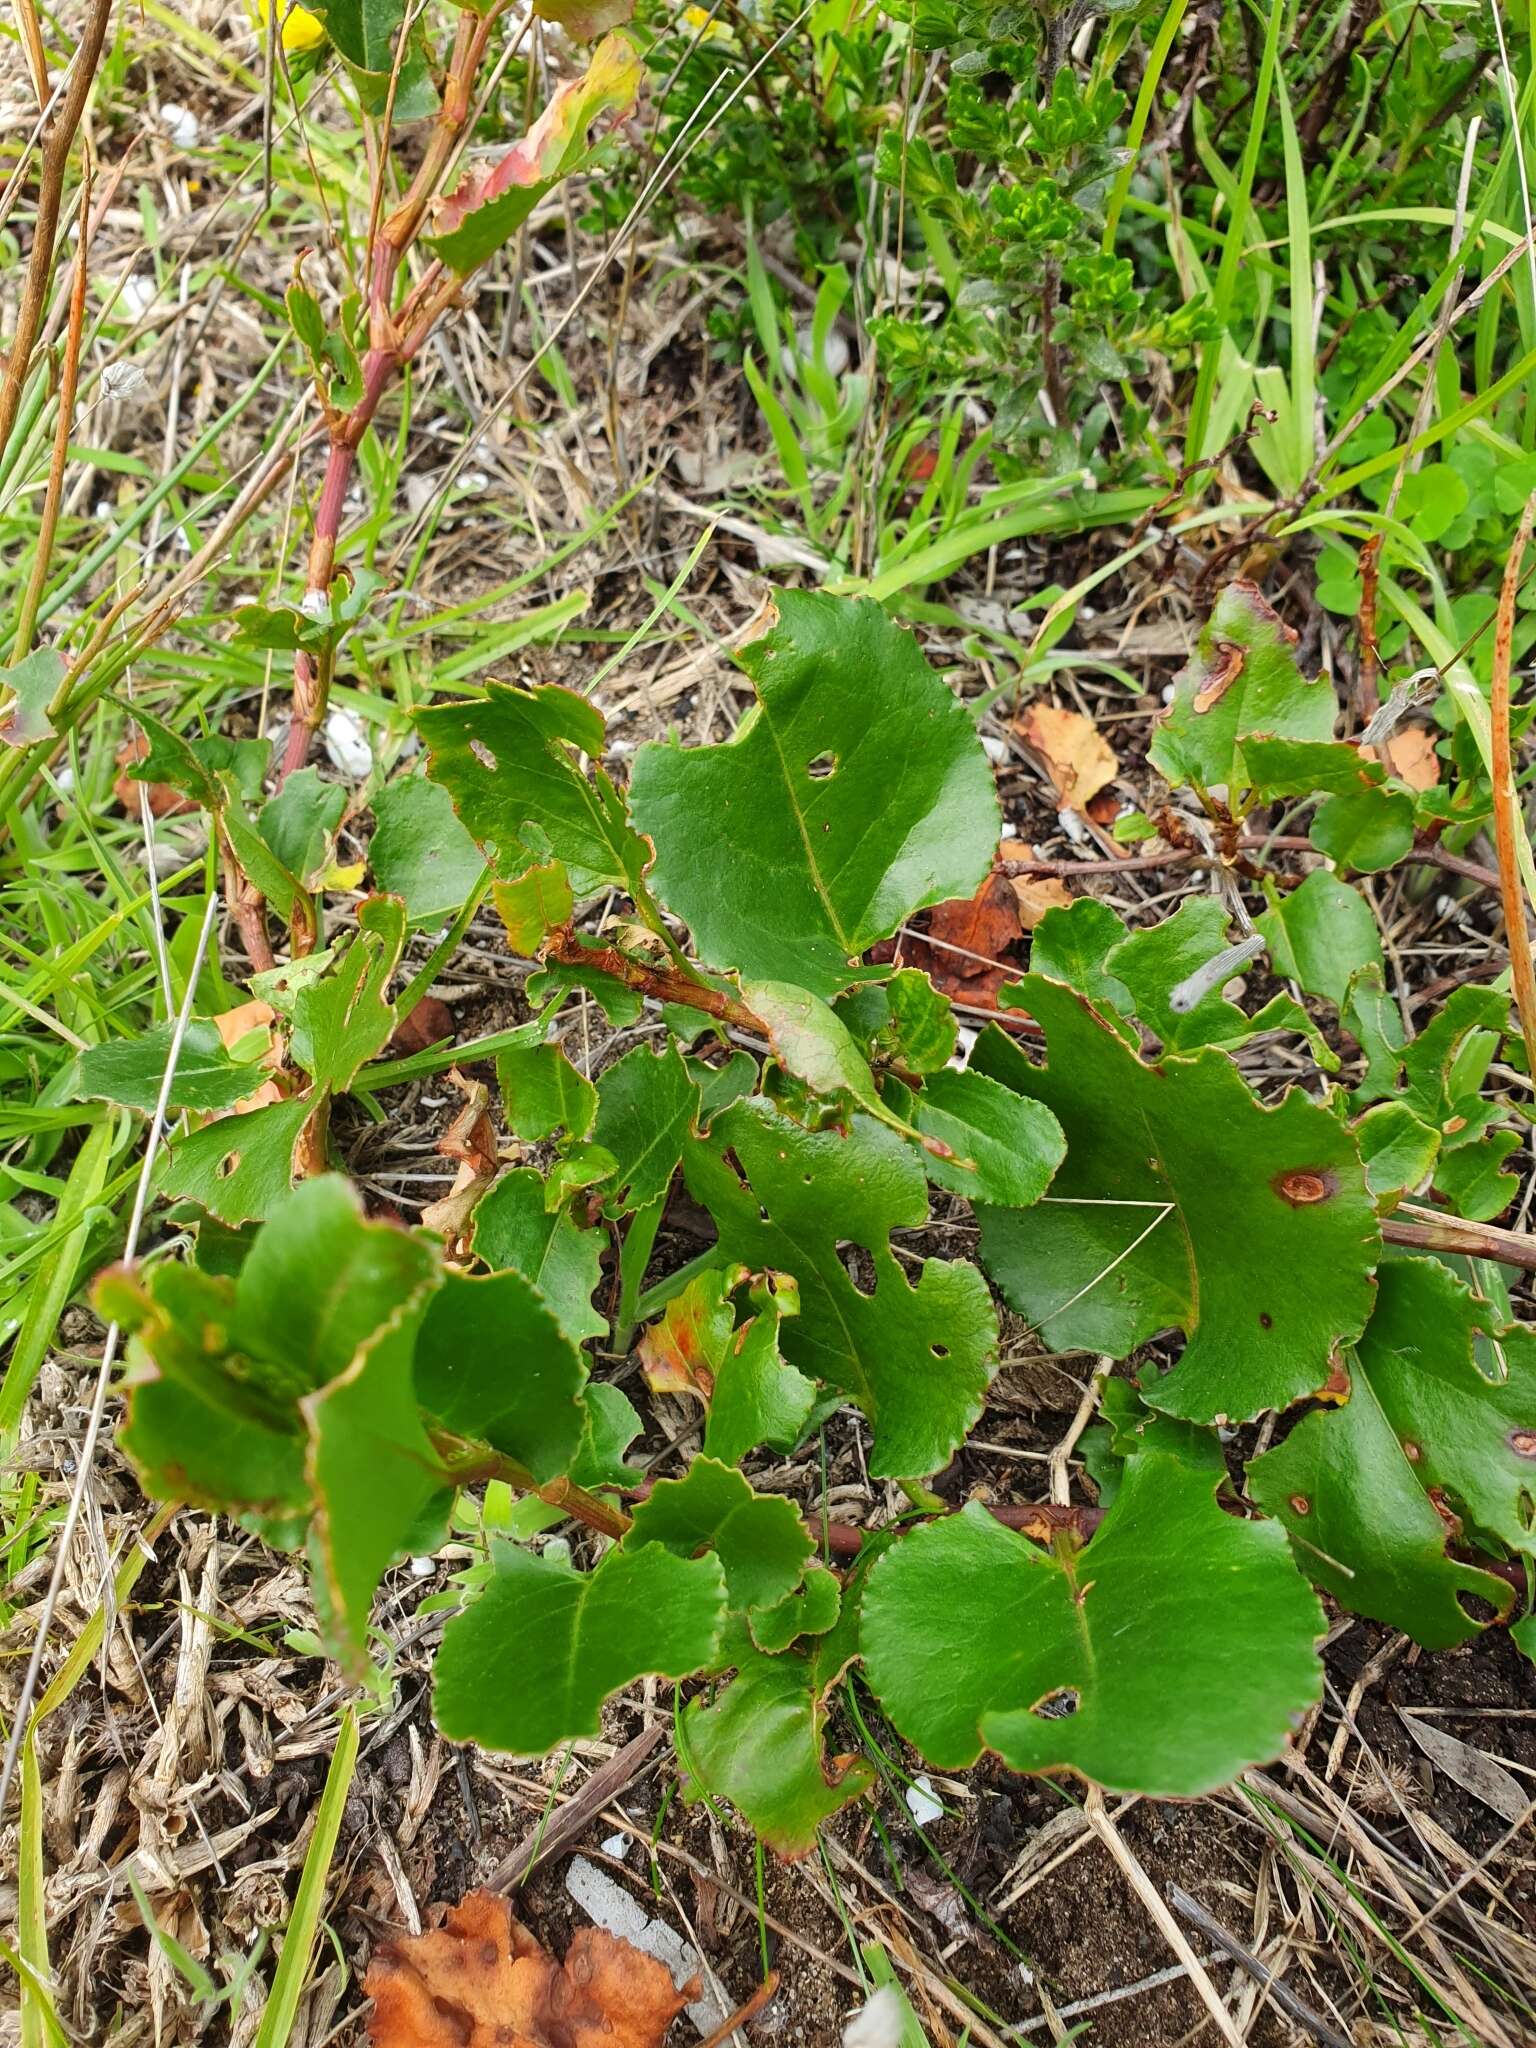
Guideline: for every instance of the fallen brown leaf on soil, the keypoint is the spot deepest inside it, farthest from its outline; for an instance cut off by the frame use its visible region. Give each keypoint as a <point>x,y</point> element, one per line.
<point>1412,758</point>
<point>1037,894</point>
<point>238,1023</point>
<point>967,939</point>
<point>471,1139</point>
<point>482,1980</point>
<point>1074,753</point>
<point>429,1023</point>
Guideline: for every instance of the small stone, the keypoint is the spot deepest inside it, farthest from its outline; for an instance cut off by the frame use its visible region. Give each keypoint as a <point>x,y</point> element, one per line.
<point>921,1803</point>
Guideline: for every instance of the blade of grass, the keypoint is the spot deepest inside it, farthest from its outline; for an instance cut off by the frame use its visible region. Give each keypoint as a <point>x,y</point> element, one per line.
<point>292,1970</point>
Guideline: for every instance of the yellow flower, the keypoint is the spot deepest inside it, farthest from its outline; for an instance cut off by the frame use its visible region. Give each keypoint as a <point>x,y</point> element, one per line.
<point>698,18</point>
<point>301,29</point>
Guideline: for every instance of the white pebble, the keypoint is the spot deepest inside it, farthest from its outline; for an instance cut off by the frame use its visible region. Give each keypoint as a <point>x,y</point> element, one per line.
<point>181,124</point>
<point>924,1808</point>
<point>346,743</point>
<point>422,1567</point>
<point>994,748</point>
<point>616,1846</point>
<point>1009,832</point>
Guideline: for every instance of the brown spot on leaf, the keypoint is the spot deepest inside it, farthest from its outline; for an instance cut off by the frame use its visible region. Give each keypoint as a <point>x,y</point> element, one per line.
<point>1335,1389</point>
<point>1300,1505</point>
<point>1220,677</point>
<point>1412,1451</point>
<point>481,1979</point>
<point>1523,1442</point>
<point>1304,1185</point>
<point>1448,1515</point>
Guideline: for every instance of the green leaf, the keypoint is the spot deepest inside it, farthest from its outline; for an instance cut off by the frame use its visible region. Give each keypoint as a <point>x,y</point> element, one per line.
<point>1152,963</point>
<point>488,207</point>
<point>612,1426</point>
<point>533,905</point>
<point>1321,935</point>
<point>344,1018</point>
<point>1354,1485</point>
<point>1181,1638</point>
<point>647,1104</point>
<point>810,1610</point>
<point>855,793</point>
<point>1305,767</point>
<point>494,1364</point>
<point>542,1093</point>
<point>761,1542</point>
<point>300,823</point>
<point>129,1071</point>
<point>1073,945</point>
<point>1368,832</point>
<point>364,31</point>
<point>1243,681</point>
<point>1005,1146</point>
<point>421,853</point>
<point>585,19</point>
<point>1126,1427</point>
<point>509,762</point>
<point>1397,1149</point>
<point>920,1033</point>
<point>1471,1176</point>
<point>373,1471</point>
<point>514,1230</point>
<point>33,684</point>
<point>753,1397</point>
<point>915,1358</point>
<point>760,1743</point>
<point>1183,1201</point>
<point>811,1041</point>
<point>240,1168</point>
<point>286,1392</point>
<point>530,1664</point>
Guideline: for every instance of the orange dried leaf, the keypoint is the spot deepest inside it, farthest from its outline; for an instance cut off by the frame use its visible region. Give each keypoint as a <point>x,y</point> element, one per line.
<point>471,1139</point>
<point>968,938</point>
<point>1039,893</point>
<point>482,1980</point>
<point>1412,758</point>
<point>1074,753</point>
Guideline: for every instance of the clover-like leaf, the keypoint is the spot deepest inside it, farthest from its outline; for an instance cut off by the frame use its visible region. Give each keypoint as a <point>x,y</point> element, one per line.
<point>761,1542</point>
<point>855,793</point>
<point>1174,1650</point>
<point>494,1364</point>
<point>760,1742</point>
<point>915,1356</point>
<point>531,1662</point>
<point>26,692</point>
<point>811,1609</point>
<point>1426,1448</point>
<point>1183,1201</point>
<point>509,762</point>
<point>1243,681</point>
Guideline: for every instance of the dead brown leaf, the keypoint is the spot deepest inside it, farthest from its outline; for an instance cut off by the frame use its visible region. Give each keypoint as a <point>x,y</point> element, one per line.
<point>240,1022</point>
<point>967,940</point>
<point>1412,758</point>
<point>1073,752</point>
<point>429,1023</point>
<point>471,1139</point>
<point>482,1980</point>
<point>1039,893</point>
<point>164,802</point>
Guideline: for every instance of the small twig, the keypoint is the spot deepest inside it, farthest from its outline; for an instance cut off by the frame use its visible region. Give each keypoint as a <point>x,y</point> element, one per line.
<point>1517,936</point>
<point>1279,1991</point>
<point>744,2013</point>
<point>1167,1926</point>
<point>466,1463</point>
<point>575,1816</point>
<point>1435,1233</point>
<point>665,984</point>
<point>1061,1456</point>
